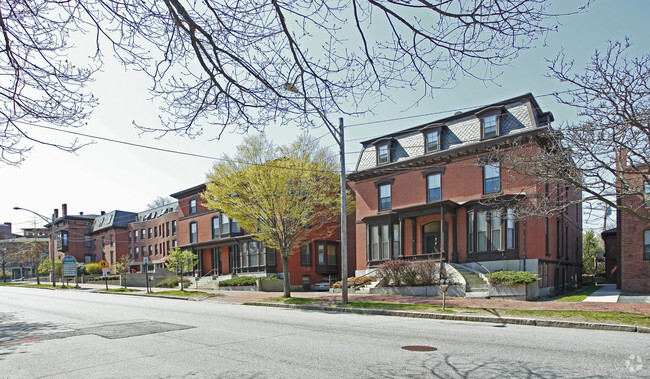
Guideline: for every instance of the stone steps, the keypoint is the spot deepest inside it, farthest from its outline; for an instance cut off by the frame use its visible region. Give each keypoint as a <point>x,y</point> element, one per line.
<point>476,286</point>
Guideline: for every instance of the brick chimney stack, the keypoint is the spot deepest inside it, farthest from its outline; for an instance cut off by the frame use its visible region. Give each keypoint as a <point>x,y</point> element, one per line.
<point>56,213</point>
<point>64,210</point>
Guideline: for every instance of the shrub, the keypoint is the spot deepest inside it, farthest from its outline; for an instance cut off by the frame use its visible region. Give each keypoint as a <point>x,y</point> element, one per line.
<point>391,272</point>
<point>172,282</point>
<point>427,271</point>
<point>512,277</point>
<point>93,268</point>
<point>239,281</point>
<point>102,278</point>
<point>354,281</point>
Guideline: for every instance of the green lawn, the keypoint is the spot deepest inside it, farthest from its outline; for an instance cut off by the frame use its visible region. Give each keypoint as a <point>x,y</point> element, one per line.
<point>184,293</point>
<point>289,300</point>
<point>26,284</point>
<point>122,290</point>
<point>579,296</point>
<point>624,318</point>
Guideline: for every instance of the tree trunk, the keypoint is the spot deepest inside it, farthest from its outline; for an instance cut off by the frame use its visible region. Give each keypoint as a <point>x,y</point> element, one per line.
<point>285,270</point>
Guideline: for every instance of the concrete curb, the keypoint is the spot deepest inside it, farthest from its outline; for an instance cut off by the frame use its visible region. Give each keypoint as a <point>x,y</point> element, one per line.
<point>486,319</point>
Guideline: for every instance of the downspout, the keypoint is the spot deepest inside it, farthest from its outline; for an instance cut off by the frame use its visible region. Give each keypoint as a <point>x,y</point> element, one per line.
<point>524,243</point>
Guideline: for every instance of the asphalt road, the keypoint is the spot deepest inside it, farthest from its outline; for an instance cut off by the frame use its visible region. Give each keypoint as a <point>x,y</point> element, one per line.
<point>74,334</point>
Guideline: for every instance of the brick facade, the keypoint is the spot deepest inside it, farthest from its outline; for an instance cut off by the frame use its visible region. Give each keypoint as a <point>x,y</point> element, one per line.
<point>634,267</point>
<point>411,227</point>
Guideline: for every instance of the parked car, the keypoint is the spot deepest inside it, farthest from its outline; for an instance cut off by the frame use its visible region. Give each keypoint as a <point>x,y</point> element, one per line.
<point>323,284</point>
<point>17,280</point>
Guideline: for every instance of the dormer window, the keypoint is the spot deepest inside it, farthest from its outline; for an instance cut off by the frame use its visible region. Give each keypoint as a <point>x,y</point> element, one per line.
<point>432,139</point>
<point>490,121</point>
<point>432,134</point>
<point>192,207</point>
<point>382,153</point>
<point>489,126</point>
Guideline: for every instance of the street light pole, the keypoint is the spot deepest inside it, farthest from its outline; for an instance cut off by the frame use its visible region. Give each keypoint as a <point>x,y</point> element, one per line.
<point>50,247</point>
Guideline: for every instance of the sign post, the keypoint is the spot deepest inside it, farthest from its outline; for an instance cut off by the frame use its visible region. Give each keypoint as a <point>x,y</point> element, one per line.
<point>146,272</point>
<point>105,270</point>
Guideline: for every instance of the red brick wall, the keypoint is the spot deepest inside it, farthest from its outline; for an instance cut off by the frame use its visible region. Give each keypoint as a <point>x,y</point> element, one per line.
<point>635,271</point>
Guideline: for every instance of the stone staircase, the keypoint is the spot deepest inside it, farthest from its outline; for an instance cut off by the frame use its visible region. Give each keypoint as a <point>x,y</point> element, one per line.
<point>208,283</point>
<point>476,284</point>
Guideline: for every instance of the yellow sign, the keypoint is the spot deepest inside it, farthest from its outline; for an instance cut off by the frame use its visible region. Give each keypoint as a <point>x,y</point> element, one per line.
<point>103,264</point>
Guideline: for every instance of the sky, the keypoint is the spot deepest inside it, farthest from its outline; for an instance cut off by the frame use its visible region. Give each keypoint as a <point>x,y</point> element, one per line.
<point>106,176</point>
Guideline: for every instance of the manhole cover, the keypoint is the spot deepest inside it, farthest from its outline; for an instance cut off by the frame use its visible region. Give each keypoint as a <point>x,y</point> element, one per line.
<point>419,348</point>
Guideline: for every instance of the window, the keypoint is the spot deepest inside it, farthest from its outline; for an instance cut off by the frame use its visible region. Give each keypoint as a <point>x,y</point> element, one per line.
<point>193,232</point>
<point>495,227</point>
<point>150,250</point>
<point>174,224</point>
<point>103,242</point>
<point>490,126</point>
<point>62,241</point>
<point>192,208</point>
<point>380,242</point>
<point>646,190</point>
<point>331,255</point>
<point>433,188</point>
<point>215,227</point>
<point>129,237</point>
<point>510,230</point>
<point>143,234</point>
<point>270,257</point>
<point>174,243</point>
<point>494,230</point>
<point>136,236</point>
<point>491,178</point>
<point>305,253</point>
<point>321,254</point>
<point>155,249</point>
<point>111,239</point>
<point>234,227</point>
<point>150,233</point>
<point>167,229</point>
<point>385,197</point>
<point>225,224</point>
<point>88,242</point>
<point>432,140</point>
<point>646,245</point>
<point>383,153</point>
<point>155,232</point>
<point>137,253</point>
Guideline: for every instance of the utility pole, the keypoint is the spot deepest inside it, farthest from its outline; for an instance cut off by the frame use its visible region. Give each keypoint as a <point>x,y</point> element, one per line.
<point>344,223</point>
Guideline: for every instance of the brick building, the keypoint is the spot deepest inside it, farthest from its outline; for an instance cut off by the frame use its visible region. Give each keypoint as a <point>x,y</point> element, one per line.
<point>422,193</point>
<point>152,234</point>
<point>633,236</point>
<point>223,248</point>
<point>71,234</point>
<point>109,236</point>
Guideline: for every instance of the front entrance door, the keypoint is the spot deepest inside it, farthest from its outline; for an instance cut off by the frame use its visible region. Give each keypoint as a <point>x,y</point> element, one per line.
<point>431,237</point>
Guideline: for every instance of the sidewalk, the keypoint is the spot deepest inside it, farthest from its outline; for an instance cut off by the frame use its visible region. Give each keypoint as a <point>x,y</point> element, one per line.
<point>607,294</point>
<point>242,297</point>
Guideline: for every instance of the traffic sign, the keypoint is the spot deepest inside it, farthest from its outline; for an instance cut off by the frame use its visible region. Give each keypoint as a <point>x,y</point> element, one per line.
<point>103,264</point>
<point>146,259</point>
<point>106,271</point>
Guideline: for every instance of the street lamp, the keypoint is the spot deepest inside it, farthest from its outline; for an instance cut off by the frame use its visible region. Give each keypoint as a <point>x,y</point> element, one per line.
<point>51,222</point>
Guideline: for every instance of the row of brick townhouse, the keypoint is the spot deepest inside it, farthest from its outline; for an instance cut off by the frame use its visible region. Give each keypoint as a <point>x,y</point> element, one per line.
<point>420,192</point>
<point>15,263</point>
<point>224,248</point>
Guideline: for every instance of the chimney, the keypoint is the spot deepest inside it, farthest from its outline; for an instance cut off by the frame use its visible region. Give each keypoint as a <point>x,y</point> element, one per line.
<point>102,213</point>
<point>56,213</point>
<point>64,210</point>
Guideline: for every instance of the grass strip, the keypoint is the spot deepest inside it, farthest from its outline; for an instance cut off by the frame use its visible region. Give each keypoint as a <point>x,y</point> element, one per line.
<point>579,296</point>
<point>602,317</point>
<point>184,293</point>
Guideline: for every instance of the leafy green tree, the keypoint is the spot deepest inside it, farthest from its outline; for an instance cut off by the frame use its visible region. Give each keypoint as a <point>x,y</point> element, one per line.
<point>45,267</point>
<point>590,250</point>
<point>280,194</point>
<point>93,268</point>
<point>180,261</point>
<point>58,267</point>
<point>122,267</point>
